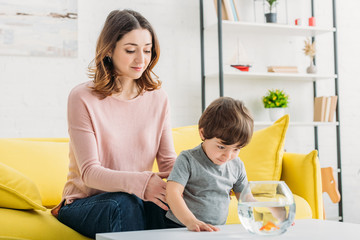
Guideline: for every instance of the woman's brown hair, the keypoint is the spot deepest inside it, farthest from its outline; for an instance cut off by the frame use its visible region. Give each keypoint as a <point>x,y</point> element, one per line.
<point>117,24</point>
<point>229,120</point>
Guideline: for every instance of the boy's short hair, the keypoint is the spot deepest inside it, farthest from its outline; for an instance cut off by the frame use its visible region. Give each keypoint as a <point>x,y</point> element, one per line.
<point>229,120</point>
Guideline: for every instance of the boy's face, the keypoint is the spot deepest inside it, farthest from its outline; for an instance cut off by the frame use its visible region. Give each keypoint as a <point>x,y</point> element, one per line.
<point>218,152</point>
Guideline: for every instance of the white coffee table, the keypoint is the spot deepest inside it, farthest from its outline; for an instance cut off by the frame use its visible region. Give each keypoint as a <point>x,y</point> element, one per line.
<point>303,229</point>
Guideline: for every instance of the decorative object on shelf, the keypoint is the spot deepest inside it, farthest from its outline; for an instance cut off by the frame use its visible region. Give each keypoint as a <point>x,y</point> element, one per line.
<point>312,21</point>
<point>240,60</point>
<point>243,68</point>
<point>298,22</point>
<point>276,100</point>
<point>282,69</point>
<point>270,13</point>
<point>310,51</point>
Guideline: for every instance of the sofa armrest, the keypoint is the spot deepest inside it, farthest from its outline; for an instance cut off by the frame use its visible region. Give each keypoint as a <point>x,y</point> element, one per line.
<point>302,174</point>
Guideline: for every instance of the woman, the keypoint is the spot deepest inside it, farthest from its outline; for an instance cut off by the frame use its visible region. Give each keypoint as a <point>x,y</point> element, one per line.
<point>118,124</point>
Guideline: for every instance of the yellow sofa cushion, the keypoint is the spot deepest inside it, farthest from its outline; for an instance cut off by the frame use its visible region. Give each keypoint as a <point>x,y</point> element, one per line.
<point>32,224</point>
<point>186,138</point>
<point>262,157</point>
<point>307,168</point>
<point>18,191</point>
<point>44,162</point>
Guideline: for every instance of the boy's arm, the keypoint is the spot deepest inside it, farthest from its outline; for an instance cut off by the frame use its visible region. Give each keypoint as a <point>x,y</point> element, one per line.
<point>178,206</point>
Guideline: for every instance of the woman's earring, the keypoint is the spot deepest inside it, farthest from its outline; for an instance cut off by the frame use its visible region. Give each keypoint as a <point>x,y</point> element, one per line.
<point>108,59</point>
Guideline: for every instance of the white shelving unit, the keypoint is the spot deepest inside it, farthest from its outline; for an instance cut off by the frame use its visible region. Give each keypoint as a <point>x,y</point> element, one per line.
<point>271,28</point>
<point>271,76</point>
<point>226,72</point>
<point>300,124</point>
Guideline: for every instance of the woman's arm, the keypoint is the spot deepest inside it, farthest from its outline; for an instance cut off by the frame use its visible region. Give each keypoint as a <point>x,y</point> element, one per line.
<point>166,153</point>
<point>178,206</point>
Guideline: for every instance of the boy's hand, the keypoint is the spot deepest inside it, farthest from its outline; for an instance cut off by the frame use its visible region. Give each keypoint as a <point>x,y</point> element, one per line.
<point>198,226</point>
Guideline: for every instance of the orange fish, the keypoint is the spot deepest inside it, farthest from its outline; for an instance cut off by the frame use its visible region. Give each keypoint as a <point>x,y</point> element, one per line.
<point>269,226</point>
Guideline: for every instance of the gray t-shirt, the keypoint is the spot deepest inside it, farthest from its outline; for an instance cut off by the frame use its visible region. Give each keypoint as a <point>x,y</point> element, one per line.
<point>207,185</point>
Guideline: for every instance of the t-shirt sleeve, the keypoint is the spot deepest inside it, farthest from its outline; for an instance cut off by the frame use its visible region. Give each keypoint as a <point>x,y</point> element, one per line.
<point>242,179</point>
<point>181,170</point>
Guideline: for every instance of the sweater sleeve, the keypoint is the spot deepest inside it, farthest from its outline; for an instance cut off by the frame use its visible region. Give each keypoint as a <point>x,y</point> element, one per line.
<point>166,154</point>
<point>85,148</point>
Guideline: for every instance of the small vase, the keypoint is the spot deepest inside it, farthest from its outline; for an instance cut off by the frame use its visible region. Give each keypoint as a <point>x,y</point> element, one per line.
<point>311,68</point>
<point>276,113</point>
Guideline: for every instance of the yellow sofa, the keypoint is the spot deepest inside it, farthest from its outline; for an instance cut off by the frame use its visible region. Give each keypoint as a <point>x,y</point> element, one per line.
<point>33,173</point>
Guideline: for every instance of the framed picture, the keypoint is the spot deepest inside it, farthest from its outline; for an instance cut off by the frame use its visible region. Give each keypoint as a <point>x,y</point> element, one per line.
<point>46,28</point>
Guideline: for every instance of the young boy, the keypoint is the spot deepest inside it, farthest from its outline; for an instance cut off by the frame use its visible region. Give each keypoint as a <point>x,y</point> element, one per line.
<point>198,188</point>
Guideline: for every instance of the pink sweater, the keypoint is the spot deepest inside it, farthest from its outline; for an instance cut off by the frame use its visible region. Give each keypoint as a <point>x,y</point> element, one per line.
<point>113,143</point>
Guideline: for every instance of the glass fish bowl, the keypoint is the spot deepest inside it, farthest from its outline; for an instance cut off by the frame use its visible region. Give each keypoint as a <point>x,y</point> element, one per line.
<point>266,207</point>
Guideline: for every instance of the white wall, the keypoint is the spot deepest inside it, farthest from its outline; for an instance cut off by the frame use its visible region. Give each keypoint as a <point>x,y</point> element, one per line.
<point>33,90</point>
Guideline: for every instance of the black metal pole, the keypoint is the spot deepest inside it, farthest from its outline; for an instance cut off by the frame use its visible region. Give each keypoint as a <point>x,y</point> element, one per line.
<point>203,101</point>
<point>316,136</point>
<point>339,169</point>
<point>221,74</point>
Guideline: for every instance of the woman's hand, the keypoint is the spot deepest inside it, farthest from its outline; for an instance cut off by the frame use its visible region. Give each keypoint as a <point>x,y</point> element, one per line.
<point>156,189</point>
<point>197,226</point>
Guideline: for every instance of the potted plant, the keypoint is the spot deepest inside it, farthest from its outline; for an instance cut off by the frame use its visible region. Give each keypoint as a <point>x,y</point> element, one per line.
<point>270,15</point>
<point>276,101</point>
<point>310,51</point>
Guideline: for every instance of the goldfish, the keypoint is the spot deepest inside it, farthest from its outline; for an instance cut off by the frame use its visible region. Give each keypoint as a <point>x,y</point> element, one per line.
<point>269,226</point>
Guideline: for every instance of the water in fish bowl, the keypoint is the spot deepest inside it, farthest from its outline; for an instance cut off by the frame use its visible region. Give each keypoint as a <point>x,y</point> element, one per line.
<point>266,208</point>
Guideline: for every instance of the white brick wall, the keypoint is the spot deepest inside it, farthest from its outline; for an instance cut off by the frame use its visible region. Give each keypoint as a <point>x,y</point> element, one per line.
<point>33,91</point>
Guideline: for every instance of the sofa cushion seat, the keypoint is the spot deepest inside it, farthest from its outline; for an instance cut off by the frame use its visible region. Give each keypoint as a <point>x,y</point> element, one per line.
<point>34,224</point>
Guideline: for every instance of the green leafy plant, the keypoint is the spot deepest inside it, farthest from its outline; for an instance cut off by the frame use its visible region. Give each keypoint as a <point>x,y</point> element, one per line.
<point>271,3</point>
<point>275,99</point>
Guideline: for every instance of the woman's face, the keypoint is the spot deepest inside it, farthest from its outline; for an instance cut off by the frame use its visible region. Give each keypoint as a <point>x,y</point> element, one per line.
<point>132,53</point>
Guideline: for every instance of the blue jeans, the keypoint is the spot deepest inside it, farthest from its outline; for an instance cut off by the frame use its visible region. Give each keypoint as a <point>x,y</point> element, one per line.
<point>111,212</point>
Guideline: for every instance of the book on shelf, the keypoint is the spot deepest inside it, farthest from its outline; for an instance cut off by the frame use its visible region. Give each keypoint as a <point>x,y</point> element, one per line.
<point>234,11</point>
<point>327,109</point>
<point>224,15</point>
<point>228,9</point>
<point>237,8</point>
<point>324,108</point>
<point>319,109</point>
<point>332,108</point>
<point>283,69</point>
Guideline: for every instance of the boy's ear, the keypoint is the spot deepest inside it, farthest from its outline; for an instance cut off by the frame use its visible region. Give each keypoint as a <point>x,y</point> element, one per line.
<point>201,133</point>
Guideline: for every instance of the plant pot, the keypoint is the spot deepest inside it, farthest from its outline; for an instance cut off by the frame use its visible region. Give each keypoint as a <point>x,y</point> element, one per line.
<point>276,113</point>
<point>271,17</point>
